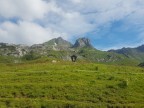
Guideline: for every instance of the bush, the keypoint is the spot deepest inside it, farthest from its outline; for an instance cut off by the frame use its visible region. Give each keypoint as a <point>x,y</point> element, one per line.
<point>123,84</point>
<point>31,56</point>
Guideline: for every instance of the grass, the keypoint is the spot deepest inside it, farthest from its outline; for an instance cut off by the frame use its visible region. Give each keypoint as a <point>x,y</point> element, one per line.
<point>70,85</point>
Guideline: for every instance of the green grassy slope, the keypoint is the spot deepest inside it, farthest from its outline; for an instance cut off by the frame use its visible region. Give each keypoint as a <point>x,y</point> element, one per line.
<point>70,85</point>
<point>94,55</point>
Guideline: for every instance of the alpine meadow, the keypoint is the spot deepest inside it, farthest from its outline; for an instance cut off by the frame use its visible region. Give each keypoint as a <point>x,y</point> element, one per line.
<point>70,85</point>
<point>71,53</point>
<point>45,77</point>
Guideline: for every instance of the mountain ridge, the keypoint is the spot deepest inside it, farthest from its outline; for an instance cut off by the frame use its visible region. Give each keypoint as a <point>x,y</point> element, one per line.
<point>135,53</point>
<point>58,48</point>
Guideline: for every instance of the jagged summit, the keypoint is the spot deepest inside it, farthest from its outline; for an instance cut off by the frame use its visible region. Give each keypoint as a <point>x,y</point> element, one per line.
<point>82,42</point>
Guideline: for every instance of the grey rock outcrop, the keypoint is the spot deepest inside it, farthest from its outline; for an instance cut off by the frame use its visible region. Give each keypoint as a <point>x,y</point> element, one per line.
<point>13,50</point>
<point>82,42</point>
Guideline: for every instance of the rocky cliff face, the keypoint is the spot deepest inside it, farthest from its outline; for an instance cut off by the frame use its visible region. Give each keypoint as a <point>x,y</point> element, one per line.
<point>82,42</point>
<point>13,50</point>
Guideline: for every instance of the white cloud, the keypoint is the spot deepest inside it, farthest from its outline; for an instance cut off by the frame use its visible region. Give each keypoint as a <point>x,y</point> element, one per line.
<point>25,9</point>
<point>71,23</point>
<point>41,20</point>
<point>26,33</point>
<point>76,1</point>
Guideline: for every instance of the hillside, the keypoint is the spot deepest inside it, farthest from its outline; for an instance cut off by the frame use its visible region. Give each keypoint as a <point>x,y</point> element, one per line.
<point>70,85</point>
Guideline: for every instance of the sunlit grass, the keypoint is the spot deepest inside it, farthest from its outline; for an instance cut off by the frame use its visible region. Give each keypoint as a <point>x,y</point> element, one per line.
<point>70,85</point>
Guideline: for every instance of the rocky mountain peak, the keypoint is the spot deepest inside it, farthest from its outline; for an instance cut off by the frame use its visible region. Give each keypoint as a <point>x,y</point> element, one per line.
<point>58,41</point>
<point>57,44</point>
<point>82,42</point>
<point>61,41</point>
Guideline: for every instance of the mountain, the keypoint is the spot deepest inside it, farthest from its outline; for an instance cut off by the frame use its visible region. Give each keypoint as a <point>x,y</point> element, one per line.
<point>133,53</point>
<point>53,44</point>
<point>54,48</point>
<point>60,49</point>
<point>82,42</point>
<point>58,44</point>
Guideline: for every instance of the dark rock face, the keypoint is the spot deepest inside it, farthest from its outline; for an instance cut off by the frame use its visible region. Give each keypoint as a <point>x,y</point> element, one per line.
<point>141,64</point>
<point>140,48</point>
<point>133,53</point>
<point>82,42</point>
<point>124,51</point>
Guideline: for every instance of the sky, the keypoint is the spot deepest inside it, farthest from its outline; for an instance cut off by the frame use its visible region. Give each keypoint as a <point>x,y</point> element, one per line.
<point>109,24</point>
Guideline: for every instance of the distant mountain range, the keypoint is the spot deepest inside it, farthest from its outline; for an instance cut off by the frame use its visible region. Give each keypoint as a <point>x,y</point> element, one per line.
<point>58,48</point>
<point>132,53</point>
